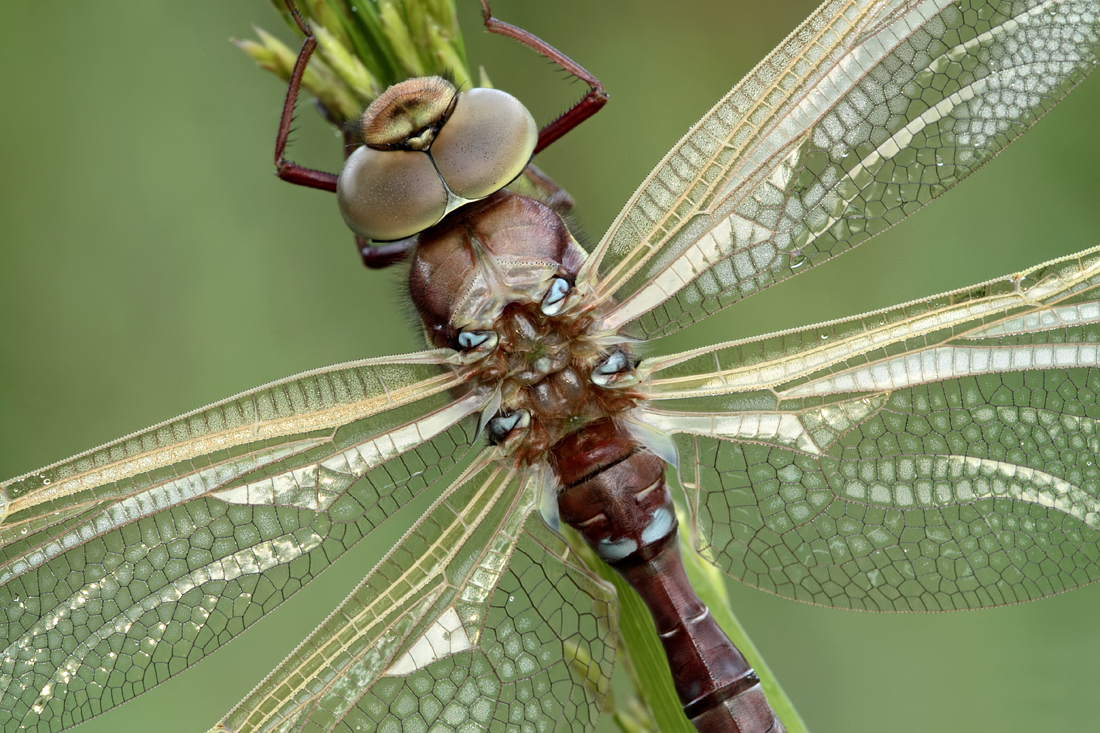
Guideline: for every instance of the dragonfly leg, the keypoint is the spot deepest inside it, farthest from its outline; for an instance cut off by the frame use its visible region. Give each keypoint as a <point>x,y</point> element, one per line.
<point>377,256</point>
<point>589,105</point>
<point>285,169</point>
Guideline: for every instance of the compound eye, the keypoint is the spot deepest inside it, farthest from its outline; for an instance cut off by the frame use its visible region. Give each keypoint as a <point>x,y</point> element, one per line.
<point>486,142</point>
<point>390,194</point>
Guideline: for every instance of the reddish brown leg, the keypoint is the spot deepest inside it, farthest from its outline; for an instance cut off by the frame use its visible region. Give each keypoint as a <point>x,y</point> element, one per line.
<point>377,256</point>
<point>579,112</point>
<point>374,257</point>
<point>285,169</point>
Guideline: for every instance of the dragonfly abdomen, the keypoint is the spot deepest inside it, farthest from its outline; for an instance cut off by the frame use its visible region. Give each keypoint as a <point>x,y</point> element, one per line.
<point>615,495</point>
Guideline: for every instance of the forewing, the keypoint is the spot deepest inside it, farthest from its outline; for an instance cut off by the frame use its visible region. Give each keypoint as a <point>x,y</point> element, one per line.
<point>124,565</point>
<point>479,619</point>
<point>939,455</point>
<point>867,112</point>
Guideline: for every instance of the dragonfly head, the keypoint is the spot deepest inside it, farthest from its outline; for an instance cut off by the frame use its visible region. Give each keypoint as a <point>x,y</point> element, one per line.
<point>429,149</point>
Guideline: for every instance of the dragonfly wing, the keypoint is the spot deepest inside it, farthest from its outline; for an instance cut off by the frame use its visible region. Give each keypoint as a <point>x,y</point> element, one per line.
<point>864,114</point>
<point>939,455</point>
<point>124,565</point>
<point>480,617</point>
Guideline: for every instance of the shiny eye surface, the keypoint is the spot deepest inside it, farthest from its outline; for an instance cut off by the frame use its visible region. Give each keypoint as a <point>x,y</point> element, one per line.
<point>390,194</point>
<point>427,153</point>
<point>487,142</point>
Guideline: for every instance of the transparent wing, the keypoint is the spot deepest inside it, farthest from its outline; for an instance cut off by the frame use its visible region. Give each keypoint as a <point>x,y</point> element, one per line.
<point>479,619</point>
<point>939,455</point>
<point>867,112</point>
<point>124,565</point>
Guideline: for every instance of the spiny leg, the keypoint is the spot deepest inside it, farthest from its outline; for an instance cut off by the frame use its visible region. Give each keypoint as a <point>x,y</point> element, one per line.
<point>285,169</point>
<point>589,105</point>
<point>374,257</point>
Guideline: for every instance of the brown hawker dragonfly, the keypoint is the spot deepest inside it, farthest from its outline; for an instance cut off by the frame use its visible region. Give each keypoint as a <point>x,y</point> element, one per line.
<point>789,347</point>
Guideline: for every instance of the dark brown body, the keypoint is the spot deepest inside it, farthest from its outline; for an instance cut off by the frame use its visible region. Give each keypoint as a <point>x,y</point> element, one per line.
<point>504,228</point>
<point>614,494</point>
<point>484,270</point>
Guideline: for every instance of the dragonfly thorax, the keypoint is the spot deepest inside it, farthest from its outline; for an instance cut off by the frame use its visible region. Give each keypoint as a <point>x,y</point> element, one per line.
<point>491,280</point>
<point>428,150</point>
<point>543,367</point>
<point>502,250</point>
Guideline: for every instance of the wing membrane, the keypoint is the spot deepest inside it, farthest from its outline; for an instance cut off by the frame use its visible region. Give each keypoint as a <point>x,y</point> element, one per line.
<point>124,565</point>
<point>473,620</point>
<point>939,455</point>
<point>867,112</point>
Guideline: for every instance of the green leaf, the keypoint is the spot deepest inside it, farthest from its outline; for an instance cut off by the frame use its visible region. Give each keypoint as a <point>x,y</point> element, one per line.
<point>654,678</point>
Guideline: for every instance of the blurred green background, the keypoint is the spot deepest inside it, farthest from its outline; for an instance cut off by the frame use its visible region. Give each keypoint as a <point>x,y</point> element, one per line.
<point>150,263</point>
